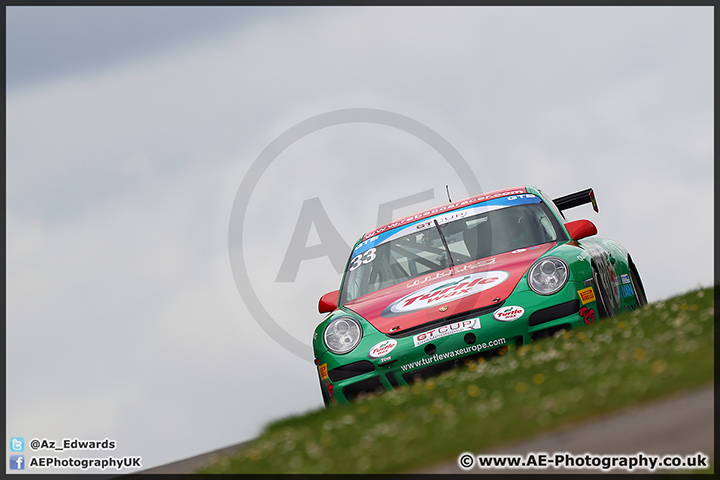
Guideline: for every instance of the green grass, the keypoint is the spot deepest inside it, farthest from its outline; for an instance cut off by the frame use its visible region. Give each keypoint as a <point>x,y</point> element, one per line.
<point>647,354</point>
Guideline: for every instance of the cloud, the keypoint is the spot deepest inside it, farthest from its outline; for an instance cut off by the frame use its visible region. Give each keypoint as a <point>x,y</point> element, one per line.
<point>84,40</point>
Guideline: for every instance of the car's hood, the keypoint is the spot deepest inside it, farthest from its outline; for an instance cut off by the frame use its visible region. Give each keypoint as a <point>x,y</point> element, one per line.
<point>470,286</point>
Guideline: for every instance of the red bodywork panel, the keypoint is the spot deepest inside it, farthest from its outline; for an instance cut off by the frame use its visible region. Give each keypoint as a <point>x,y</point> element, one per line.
<point>580,229</point>
<point>448,292</point>
<point>328,302</point>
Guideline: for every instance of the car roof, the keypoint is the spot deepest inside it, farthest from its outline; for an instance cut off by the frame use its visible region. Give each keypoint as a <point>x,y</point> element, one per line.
<point>448,207</point>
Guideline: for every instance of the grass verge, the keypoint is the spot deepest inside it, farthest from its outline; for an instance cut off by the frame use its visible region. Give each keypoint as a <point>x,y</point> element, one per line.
<point>664,348</point>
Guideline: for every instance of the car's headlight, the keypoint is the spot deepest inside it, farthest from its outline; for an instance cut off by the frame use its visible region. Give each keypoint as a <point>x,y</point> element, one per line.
<point>548,275</point>
<point>342,335</point>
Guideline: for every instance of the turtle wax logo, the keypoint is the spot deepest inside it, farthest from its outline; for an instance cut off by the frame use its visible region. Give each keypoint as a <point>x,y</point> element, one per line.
<point>382,348</point>
<point>508,314</point>
<point>442,292</point>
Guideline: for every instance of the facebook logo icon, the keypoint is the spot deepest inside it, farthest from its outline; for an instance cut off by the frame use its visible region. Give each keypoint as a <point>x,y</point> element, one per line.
<point>17,462</point>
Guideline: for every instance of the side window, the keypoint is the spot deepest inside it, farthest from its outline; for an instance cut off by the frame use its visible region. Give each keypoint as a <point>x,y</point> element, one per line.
<point>550,234</point>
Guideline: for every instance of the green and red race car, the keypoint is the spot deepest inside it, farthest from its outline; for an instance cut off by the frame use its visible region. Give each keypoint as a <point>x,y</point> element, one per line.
<point>466,279</point>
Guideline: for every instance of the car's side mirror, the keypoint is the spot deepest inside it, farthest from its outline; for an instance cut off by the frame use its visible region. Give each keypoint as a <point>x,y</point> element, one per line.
<point>580,229</point>
<point>328,302</point>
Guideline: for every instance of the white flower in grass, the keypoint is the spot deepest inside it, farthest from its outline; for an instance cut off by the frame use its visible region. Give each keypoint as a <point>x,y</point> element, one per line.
<point>482,409</point>
<point>576,394</point>
<point>363,463</point>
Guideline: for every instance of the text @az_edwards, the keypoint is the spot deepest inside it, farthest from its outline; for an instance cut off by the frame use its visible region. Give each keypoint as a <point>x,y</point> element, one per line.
<point>72,444</point>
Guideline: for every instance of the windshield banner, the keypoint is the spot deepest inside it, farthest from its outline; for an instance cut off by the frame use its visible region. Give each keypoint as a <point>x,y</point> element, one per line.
<point>445,217</point>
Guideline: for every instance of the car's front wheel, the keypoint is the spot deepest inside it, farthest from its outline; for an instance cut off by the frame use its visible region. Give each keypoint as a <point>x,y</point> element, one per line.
<point>326,400</point>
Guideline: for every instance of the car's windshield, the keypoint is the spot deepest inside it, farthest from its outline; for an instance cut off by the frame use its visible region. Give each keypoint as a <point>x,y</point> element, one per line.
<point>469,233</point>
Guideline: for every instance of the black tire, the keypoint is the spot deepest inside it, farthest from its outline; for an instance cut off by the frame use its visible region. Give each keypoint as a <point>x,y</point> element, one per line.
<point>326,400</point>
<point>638,288</point>
<point>605,309</point>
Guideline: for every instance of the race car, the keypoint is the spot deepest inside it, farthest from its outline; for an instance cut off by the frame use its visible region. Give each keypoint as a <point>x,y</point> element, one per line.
<point>466,279</point>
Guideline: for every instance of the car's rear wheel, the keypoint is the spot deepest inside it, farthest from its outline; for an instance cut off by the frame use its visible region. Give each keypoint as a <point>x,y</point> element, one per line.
<point>638,288</point>
<point>604,308</point>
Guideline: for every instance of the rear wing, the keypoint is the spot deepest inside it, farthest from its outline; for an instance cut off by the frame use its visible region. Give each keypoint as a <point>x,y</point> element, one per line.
<point>576,199</point>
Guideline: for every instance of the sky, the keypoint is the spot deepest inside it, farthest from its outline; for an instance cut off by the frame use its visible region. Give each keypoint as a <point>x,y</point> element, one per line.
<point>171,170</point>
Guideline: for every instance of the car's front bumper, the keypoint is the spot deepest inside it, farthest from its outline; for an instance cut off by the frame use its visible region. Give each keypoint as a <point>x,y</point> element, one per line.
<point>345,377</point>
